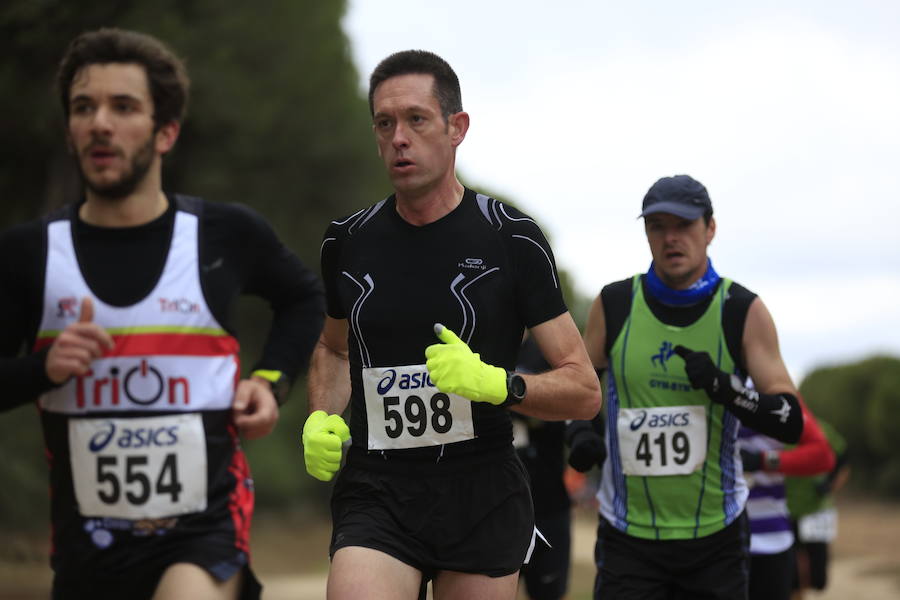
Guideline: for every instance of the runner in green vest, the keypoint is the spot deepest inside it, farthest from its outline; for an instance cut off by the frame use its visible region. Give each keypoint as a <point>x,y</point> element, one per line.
<point>676,344</point>
<point>810,503</point>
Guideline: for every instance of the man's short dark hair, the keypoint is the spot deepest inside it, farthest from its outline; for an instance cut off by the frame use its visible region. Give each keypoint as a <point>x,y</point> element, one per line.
<point>407,62</point>
<point>166,74</point>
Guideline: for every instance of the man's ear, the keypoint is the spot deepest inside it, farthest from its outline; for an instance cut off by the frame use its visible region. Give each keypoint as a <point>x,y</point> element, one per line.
<point>166,136</point>
<point>457,126</point>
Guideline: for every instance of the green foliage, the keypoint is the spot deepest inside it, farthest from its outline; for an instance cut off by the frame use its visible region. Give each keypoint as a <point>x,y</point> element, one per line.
<point>24,502</point>
<point>862,401</point>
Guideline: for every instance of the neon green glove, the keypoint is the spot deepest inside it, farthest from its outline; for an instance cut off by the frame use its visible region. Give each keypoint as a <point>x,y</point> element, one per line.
<point>323,435</point>
<point>455,369</point>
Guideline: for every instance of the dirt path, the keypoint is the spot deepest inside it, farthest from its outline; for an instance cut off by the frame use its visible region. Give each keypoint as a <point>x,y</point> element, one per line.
<point>291,560</point>
<point>865,563</point>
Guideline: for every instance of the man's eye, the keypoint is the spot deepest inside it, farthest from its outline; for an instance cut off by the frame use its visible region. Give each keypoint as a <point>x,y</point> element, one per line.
<point>80,109</point>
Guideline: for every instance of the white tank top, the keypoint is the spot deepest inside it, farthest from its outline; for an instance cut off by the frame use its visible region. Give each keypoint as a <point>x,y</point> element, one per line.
<point>170,352</point>
<point>137,442</point>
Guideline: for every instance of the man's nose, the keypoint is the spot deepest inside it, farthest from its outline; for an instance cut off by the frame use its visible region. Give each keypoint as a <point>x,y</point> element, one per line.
<point>400,139</point>
<point>102,120</point>
<point>671,234</point>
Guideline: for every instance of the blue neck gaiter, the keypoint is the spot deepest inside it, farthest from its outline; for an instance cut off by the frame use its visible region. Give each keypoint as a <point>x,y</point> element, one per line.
<point>698,291</point>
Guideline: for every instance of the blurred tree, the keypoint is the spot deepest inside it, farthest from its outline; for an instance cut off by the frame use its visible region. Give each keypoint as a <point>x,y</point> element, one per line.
<point>862,401</point>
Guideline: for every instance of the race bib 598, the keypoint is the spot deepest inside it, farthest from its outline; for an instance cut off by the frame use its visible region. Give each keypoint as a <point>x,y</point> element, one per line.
<point>404,409</point>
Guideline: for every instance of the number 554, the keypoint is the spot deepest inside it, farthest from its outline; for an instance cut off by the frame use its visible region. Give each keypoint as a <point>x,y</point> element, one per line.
<point>138,485</point>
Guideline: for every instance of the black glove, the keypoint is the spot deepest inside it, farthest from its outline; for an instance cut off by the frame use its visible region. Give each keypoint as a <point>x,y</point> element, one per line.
<point>586,448</point>
<point>753,461</point>
<point>704,374</point>
<point>779,415</point>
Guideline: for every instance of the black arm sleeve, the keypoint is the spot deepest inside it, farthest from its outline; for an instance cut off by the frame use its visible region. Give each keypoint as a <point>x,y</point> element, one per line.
<point>265,268</point>
<point>22,376</point>
<point>778,416</point>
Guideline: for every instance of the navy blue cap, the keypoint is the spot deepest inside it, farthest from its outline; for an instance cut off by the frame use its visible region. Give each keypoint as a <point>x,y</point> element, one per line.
<point>681,195</point>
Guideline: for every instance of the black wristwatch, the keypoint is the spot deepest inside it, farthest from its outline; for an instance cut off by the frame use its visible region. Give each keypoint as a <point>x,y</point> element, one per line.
<point>515,389</point>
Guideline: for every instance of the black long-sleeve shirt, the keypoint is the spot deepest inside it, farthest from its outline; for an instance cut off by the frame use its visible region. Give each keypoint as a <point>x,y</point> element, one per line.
<point>239,254</point>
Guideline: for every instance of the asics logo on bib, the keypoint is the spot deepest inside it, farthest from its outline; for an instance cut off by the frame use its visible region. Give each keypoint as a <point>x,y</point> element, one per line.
<point>142,384</point>
<point>179,305</point>
<point>636,423</point>
<point>407,381</point>
<point>134,437</point>
<point>676,419</point>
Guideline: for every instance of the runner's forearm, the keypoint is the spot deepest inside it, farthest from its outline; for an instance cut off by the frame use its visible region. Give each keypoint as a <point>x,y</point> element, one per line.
<point>555,395</point>
<point>329,380</point>
<point>776,415</point>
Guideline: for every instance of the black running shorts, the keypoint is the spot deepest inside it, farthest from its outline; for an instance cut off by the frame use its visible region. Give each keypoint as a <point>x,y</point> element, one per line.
<point>715,567</point>
<point>472,515</point>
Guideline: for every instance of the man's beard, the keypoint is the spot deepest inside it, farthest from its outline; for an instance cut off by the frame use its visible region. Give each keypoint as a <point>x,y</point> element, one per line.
<point>117,190</point>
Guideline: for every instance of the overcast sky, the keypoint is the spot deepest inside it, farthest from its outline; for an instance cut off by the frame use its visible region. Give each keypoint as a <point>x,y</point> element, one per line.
<point>789,113</point>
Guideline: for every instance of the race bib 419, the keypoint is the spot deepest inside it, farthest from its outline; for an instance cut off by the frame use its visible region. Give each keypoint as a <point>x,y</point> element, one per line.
<point>667,440</point>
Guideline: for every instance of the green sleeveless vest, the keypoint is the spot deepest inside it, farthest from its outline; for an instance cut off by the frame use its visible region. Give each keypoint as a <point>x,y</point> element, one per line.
<point>673,457</point>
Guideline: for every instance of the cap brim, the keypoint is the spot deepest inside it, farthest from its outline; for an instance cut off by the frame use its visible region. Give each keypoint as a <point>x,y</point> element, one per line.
<point>678,209</point>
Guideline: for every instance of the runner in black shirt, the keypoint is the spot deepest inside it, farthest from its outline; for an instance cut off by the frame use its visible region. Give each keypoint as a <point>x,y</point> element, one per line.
<point>540,446</point>
<point>123,303</point>
<point>432,486</point>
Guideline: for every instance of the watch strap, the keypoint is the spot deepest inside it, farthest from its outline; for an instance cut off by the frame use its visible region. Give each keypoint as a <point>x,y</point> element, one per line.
<point>277,381</point>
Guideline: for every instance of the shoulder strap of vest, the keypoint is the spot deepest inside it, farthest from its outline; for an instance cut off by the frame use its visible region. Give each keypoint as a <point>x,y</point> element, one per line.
<point>617,300</point>
<point>735,306</point>
<point>63,213</point>
<point>189,204</point>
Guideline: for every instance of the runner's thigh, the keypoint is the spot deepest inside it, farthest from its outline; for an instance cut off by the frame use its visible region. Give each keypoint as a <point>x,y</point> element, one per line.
<point>187,580</point>
<point>358,572</point>
<point>451,585</point>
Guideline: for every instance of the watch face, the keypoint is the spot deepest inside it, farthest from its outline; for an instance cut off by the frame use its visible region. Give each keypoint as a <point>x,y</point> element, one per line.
<point>517,386</point>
